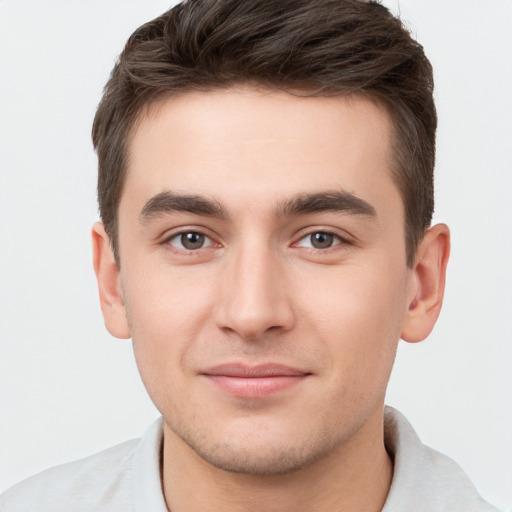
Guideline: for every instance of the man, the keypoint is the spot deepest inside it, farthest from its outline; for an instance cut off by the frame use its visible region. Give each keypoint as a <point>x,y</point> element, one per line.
<point>265,187</point>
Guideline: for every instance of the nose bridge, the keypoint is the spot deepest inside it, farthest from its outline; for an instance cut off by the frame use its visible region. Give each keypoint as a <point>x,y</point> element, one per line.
<point>254,298</point>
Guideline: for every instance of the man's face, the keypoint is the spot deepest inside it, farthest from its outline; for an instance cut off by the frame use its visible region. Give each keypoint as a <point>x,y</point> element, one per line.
<point>263,272</point>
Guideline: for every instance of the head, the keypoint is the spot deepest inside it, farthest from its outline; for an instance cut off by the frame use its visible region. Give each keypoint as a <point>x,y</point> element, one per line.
<point>265,188</point>
<point>324,48</point>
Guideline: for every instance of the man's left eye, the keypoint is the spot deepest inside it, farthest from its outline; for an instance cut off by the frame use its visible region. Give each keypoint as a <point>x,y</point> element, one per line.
<point>319,240</point>
<point>190,241</point>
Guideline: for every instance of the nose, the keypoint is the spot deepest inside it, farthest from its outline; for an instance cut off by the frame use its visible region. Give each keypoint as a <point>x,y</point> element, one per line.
<point>253,299</point>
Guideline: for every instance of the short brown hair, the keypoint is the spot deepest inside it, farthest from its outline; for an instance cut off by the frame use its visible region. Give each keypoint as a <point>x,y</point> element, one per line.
<point>324,47</point>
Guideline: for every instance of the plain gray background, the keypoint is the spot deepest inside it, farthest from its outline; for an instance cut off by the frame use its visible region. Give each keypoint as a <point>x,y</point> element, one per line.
<point>68,389</point>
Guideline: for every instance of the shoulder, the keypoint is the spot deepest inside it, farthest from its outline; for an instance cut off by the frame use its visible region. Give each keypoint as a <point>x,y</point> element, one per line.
<point>424,479</point>
<point>87,484</point>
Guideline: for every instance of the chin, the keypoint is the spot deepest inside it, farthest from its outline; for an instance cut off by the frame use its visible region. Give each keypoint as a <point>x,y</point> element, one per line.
<point>255,455</point>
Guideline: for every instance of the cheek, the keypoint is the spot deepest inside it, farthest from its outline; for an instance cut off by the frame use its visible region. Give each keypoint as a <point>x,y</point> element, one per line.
<point>166,311</point>
<point>358,315</point>
<point>356,298</point>
<point>165,302</point>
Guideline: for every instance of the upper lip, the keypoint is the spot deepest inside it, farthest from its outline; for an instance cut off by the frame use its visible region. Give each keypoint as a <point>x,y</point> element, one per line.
<point>246,371</point>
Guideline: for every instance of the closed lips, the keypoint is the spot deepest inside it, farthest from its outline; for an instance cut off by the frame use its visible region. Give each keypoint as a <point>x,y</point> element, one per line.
<point>260,381</point>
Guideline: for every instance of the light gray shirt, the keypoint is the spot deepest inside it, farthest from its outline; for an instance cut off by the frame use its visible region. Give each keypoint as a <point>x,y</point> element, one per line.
<point>127,478</point>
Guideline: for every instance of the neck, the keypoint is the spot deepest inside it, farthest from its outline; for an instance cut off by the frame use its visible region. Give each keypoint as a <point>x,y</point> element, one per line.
<point>355,476</point>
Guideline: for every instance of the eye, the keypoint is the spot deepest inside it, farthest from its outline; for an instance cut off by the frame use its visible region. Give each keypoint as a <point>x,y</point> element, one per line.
<point>319,240</point>
<point>190,241</point>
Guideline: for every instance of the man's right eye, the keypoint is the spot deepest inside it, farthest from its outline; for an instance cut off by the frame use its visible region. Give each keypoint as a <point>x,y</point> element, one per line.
<point>190,241</point>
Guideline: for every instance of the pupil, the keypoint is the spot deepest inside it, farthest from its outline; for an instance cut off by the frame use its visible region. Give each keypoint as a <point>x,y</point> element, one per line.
<point>321,240</point>
<point>192,240</point>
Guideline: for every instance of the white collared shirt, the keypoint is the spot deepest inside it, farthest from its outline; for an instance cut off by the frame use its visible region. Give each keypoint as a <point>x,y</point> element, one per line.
<point>127,478</point>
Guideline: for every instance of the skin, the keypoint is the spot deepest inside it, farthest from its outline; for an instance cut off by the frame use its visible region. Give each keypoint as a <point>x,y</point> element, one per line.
<point>261,290</point>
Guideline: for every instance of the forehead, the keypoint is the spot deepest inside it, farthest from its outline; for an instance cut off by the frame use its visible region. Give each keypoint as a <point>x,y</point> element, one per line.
<point>246,146</point>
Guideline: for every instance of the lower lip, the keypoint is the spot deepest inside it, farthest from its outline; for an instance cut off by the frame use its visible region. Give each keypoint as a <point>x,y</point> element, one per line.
<point>255,387</point>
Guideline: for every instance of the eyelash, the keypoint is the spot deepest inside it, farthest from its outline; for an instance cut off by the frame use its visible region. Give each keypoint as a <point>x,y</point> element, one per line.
<point>184,250</point>
<point>334,238</point>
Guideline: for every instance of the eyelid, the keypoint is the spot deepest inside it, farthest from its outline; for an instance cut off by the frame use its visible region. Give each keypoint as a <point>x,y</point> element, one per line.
<point>337,241</point>
<point>177,232</point>
<point>343,237</point>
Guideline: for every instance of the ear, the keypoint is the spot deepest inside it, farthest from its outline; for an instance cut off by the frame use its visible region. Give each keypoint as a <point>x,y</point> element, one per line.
<point>427,290</point>
<point>109,284</point>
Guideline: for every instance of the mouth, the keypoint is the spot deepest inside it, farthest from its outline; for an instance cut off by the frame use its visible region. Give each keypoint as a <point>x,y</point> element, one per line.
<point>244,381</point>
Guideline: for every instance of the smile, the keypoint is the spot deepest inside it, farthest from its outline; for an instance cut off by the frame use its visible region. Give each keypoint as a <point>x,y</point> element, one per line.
<point>242,381</point>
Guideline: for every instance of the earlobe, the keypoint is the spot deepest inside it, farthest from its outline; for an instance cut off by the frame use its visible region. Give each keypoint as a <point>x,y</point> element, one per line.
<point>109,284</point>
<point>427,290</point>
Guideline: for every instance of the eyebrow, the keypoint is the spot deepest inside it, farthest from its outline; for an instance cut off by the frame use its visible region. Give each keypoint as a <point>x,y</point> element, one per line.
<point>332,200</point>
<point>301,204</point>
<point>167,202</point>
